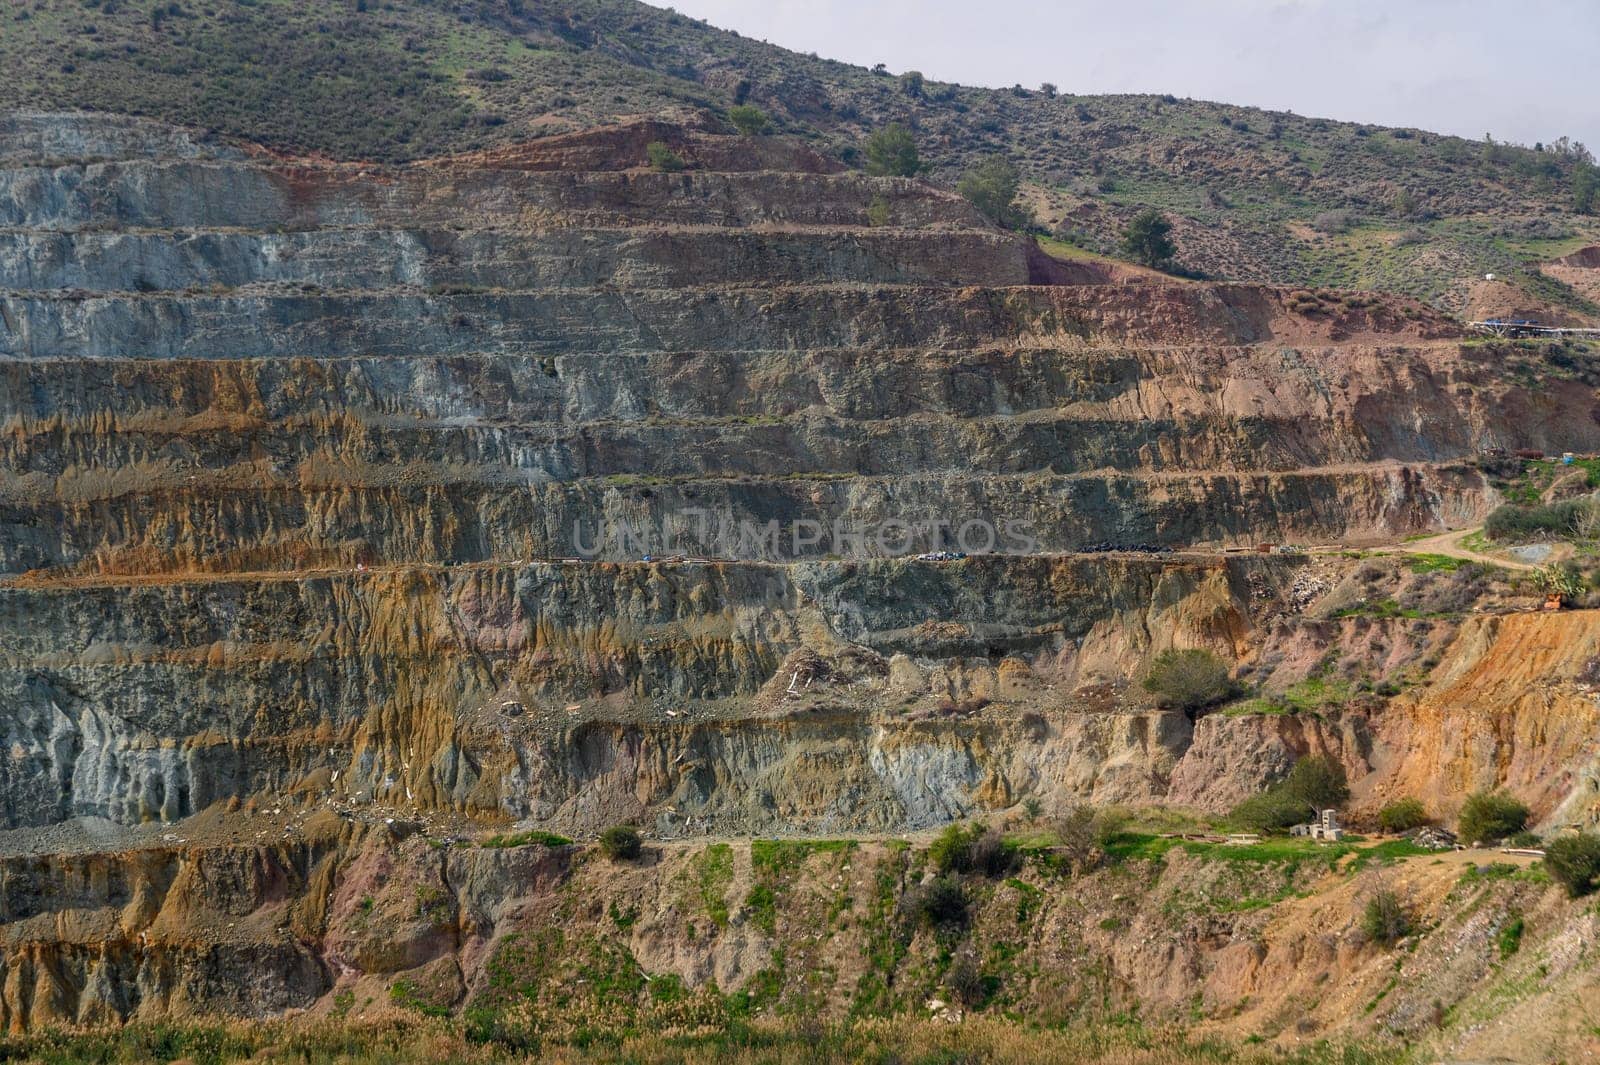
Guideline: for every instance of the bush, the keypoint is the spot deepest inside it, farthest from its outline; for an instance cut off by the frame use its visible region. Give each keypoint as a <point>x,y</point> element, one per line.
<point>621,842</point>
<point>1562,580</point>
<point>1078,840</point>
<point>892,152</point>
<point>1271,811</point>
<point>1313,783</point>
<point>663,158</point>
<point>1489,816</point>
<point>940,903</point>
<point>991,187</point>
<point>990,856</point>
<point>1188,680</point>
<point>1574,863</point>
<point>1514,522</point>
<point>965,980</point>
<point>1510,937</point>
<point>1585,189</point>
<point>948,850</point>
<point>972,849</point>
<point>1318,781</point>
<point>1334,221</point>
<point>1403,815</point>
<point>748,120</point>
<point>1148,239</point>
<point>911,83</point>
<point>1384,919</point>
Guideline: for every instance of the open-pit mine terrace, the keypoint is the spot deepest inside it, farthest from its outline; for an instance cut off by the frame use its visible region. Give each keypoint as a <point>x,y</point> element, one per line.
<point>293,451</point>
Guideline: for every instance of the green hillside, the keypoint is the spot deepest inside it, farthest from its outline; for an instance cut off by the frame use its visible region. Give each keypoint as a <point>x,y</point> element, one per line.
<point>1256,195</point>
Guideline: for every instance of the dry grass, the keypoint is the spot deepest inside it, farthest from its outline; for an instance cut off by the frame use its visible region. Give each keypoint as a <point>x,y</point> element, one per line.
<point>902,1040</point>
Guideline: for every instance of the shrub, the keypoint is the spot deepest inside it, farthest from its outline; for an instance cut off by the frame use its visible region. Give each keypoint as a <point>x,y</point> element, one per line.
<point>1317,780</point>
<point>940,903</point>
<point>972,849</point>
<point>621,842</point>
<point>1514,522</point>
<point>1403,815</point>
<point>1585,189</point>
<point>748,120</point>
<point>1077,840</point>
<point>949,849</point>
<point>1333,221</point>
<point>1188,680</point>
<point>965,981</point>
<point>991,187</point>
<point>892,152</point>
<point>1563,580</point>
<point>1083,833</point>
<point>1574,863</point>
<point>1510,937</point>
<point>1525,839</point>
<point>1384,919</point>
<point>663,158</point>
<point>990,856</point>
<point>911,83</point>
<point>1148,239</point>
<point>1491,815</point>
<point>1271,811</point>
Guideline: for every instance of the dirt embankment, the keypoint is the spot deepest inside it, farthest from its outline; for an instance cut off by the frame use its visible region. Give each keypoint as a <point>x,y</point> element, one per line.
<point>350,920</point>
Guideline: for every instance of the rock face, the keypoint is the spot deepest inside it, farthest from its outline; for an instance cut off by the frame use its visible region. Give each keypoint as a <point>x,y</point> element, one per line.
<point>585,694</point>
<point>287,442</point>
<point>332,486</point>
<point>1512,705</point>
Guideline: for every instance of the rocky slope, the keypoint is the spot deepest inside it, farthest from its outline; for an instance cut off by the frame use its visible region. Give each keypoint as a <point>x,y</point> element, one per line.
<point>329,488</point>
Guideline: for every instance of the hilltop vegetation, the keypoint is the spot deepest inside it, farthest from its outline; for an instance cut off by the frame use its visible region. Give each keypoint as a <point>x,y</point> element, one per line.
<point>1254,195</point>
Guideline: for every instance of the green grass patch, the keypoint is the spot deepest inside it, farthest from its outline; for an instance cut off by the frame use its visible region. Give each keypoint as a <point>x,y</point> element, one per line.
<point>1509,940</point>
<point>408,996</point>
<point>1128,846</point>
<point>1378,609</point>
<point>1430,563</point>
<point>1482,874</point>
<point>526,839</point>
<point>713,872</point>
<point>1060,249</point>
<point>783,856</point>
<point>1387,853</point>
<point>1289,850</point>
<point>1032,841</point>
<point>1313,695</point>
<point>1274,849</point>
<point>762,905</point>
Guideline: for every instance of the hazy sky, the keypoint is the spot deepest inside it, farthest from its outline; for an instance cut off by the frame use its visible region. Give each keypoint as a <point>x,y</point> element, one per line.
<point>1524,70</point>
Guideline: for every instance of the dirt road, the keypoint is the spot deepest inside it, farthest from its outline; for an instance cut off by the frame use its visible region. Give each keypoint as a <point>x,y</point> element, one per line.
<point>1450,545</point>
